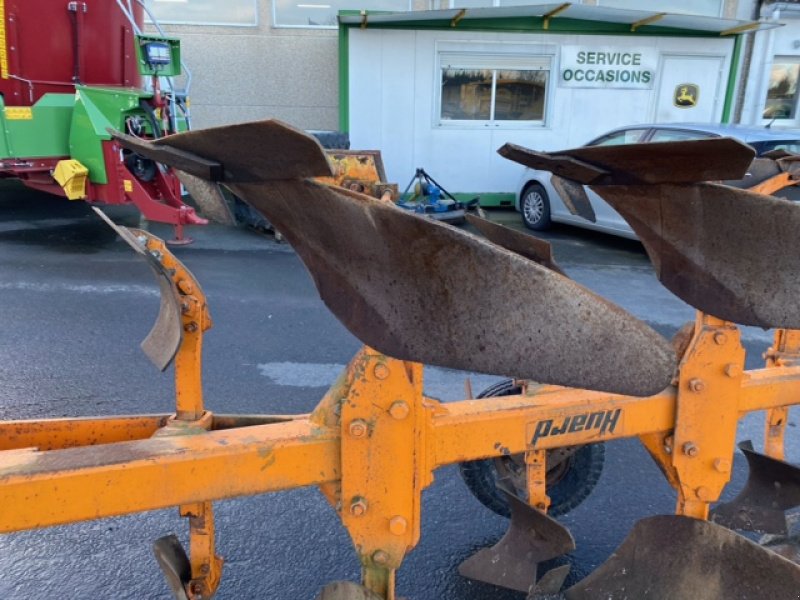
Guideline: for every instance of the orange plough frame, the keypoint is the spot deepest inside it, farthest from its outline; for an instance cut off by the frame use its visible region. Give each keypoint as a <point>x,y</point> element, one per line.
<point>374,441</point>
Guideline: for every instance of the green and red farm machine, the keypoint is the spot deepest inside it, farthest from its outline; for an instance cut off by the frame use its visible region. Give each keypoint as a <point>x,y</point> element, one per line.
<point>69,72</point>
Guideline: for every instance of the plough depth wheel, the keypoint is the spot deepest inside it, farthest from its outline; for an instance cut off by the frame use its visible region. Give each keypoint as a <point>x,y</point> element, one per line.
<point>572,472</point>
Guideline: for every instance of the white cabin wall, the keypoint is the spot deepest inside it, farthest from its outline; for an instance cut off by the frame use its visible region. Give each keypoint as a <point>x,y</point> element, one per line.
<point>393,81</point>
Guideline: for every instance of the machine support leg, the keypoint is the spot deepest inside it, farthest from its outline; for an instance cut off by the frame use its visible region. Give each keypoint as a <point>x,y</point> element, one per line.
<point>785,352</point>
<point>206,565</point>
<point>536,463</point>
<point>775,432</point>
<point>384,466</point>
<point>191,418</point>
<point>379,580</point>
<point>707,414</point>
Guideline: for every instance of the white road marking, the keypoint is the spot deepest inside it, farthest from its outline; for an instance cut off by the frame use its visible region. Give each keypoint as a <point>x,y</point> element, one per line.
<point>444,384</point>
<point>80,289</point>
<point>9,226</point>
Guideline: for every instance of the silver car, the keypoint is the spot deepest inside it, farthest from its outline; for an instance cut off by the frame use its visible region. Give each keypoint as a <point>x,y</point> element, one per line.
<point>541,205</point>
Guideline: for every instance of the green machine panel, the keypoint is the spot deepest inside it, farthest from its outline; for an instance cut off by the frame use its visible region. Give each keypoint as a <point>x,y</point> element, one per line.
<point>97,110</point>
<point>37,131</point>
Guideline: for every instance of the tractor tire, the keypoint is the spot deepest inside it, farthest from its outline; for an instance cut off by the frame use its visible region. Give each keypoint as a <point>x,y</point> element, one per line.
<point>142,168</point>
<point>332,140</point>
<point>244,214</point>
<point>567,487</point>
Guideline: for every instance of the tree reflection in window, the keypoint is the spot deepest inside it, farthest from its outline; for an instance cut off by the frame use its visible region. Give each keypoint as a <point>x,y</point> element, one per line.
<point>467,94</point>
<point>519,95</point>
<point>781,102</point>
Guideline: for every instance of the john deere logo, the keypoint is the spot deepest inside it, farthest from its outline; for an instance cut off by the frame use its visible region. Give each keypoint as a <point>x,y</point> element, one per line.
<point>686,95</point>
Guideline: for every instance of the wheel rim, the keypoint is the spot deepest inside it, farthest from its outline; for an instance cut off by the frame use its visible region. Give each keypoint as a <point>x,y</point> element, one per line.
<point>533,207</point>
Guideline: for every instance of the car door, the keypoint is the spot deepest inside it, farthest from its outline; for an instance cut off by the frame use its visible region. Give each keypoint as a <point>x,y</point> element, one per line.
<point>607,218</point>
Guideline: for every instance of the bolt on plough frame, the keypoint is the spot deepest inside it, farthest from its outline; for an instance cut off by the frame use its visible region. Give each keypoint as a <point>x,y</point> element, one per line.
<point>375,440</point>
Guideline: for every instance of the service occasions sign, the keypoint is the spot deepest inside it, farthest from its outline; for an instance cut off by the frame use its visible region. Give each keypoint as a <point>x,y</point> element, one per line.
<point>607,67</point>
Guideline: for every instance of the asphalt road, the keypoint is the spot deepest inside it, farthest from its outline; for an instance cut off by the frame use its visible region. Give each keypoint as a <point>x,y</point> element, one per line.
<point>76,302</point>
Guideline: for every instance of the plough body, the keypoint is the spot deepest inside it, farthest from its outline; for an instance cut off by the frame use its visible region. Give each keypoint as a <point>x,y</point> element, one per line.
<point>375,440</point>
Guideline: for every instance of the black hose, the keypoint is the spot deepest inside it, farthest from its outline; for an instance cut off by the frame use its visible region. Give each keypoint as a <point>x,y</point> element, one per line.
<point>150,115</point>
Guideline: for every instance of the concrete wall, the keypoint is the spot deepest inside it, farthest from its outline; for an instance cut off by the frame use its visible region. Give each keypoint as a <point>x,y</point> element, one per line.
<point>248,73</point>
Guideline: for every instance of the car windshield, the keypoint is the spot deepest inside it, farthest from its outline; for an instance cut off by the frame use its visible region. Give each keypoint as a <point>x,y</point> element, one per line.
<point>791,146</point>
<point>616,138</point>
<point>679,135</point>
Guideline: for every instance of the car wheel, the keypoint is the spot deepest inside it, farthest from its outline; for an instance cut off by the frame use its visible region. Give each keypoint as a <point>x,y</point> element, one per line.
<point>535,207</point>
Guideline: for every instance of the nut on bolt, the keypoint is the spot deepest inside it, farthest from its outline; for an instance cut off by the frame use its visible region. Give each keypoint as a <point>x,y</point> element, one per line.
<point>703,493</point>
<point>689,449</point>
<point>381,371</point>
<point>358,428</point>
<point>723,465</point>
<point>733,369</point>
<point>358,507</point>
<point>399,409</point>
<point>185,286</point>
<point>720,338</point>
<point>379,557</point>
<point>696,385</point>
<point>398,525</point>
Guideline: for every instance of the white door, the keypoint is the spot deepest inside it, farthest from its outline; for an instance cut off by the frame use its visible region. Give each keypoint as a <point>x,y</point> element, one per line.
<point>689,89</point>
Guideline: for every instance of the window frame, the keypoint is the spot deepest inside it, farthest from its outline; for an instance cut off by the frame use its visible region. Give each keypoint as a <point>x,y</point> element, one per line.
<point>372,5</point>
<point>794,112</point>
<point>160,21</point>
<point>513,54</point>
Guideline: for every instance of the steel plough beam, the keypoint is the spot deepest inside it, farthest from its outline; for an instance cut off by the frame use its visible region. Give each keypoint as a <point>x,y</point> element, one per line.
<point>145,474</point>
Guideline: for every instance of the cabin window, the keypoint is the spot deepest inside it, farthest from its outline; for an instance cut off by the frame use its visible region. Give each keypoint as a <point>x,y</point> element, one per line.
<point>492,90</point>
